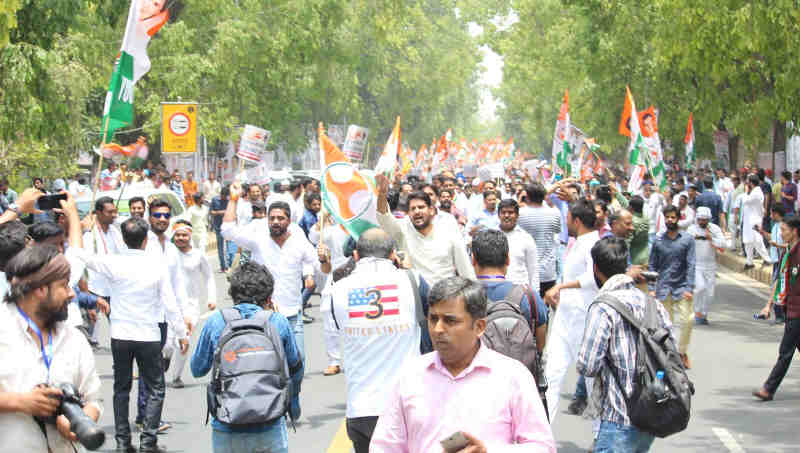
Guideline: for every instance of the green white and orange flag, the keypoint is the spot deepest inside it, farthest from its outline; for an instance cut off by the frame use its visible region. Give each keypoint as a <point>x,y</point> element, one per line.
<point>145,18</point>
<point>348,194</point>
<point>629,126</point>
<point>388,159</point>
<point>562,151</point>
<point>689,141</point>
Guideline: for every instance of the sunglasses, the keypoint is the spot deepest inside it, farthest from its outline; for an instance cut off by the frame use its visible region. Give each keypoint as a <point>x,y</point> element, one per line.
<point>162,215</point>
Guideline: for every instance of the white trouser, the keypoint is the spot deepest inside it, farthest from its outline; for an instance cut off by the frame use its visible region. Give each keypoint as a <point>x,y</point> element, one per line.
<point>200,241</point>
<point>759,247</point>
<point>563,345</point>
<point>332,345</point>
<point>704,282</point>
<point>172,352</point>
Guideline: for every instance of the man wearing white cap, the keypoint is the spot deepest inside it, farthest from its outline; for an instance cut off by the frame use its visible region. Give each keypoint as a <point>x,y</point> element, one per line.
<point>709,239</point>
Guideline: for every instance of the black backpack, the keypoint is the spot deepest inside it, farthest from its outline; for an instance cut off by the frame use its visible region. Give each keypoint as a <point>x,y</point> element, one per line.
<point>511,334</point>
<point>649,410</point>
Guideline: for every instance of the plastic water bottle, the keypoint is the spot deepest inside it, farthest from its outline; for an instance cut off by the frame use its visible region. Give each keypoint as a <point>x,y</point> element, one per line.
<point>660,388</point>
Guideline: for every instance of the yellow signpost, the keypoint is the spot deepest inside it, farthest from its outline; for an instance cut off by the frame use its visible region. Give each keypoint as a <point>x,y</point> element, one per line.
<point>178,127</point>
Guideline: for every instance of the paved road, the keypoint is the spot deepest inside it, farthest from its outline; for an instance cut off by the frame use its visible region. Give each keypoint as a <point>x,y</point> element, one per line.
<point>730,358</point>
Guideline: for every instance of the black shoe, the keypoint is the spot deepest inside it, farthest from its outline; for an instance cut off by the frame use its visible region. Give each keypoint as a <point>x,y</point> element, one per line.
<point>748,266</point>
<point>577,406</point>
<point>152,449</point>
<point>126,449</point>
<point>307,319</point>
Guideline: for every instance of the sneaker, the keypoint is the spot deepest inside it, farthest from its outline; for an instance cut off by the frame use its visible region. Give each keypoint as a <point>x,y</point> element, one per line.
<point>577,406</point>
<point>307,319</point>
<point>177,384</point>
<point>139,425</point>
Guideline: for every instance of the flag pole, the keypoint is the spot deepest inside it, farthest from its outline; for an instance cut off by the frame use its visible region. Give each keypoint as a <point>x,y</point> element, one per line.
<point>100,163</point>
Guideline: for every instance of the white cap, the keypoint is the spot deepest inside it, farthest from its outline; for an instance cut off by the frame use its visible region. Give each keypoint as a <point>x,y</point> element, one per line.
<point>476,182</point>
<point>703,212</point>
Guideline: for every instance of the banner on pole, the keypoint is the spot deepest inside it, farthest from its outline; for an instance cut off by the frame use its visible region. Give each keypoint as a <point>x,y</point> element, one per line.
<point>178,127</point>
<point>355,143</point>
<point>253,144</point>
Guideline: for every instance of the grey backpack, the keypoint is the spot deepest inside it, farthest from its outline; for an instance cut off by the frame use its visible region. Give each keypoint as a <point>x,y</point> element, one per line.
<point>250,376</point>
<point>509,332</point>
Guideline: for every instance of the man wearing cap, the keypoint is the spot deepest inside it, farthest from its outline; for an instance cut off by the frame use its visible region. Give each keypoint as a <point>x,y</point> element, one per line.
<point>709,240</point>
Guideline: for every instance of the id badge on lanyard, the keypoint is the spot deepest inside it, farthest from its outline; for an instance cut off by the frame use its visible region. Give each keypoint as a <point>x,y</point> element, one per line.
<point>47,352</point>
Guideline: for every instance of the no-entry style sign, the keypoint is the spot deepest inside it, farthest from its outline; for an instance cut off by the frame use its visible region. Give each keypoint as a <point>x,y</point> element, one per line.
<point>178,127</point>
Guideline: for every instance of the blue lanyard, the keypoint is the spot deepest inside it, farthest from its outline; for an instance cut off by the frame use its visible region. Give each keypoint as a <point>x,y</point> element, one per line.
<point>47,355</point>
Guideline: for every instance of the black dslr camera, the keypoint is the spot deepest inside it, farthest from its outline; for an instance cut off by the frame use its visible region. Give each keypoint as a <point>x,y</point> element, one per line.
<point>89,435</point>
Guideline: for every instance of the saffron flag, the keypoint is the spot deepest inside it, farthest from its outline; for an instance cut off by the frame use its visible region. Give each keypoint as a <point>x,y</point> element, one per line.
<point>689,141</point>
<point>145,18</point>
<point>629,126</point>
<point>388,159</point>
<point>347,194</point>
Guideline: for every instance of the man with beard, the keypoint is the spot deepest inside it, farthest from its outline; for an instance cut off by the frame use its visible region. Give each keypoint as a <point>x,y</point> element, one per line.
<point>141,289</point>
<point>32,333</point>
<point>442,216</point>
<point>673,257</point>
<point>200,286</point>
<point>136,206</point>
<point>579,289</point>
<point>288,256</point>
<point>523,267</point>
<point>434,251</point>
<point>487,217</point>
<point>709,239</point>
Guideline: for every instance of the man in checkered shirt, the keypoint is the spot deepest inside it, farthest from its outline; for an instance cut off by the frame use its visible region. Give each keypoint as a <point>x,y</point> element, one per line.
<point>609,349</point>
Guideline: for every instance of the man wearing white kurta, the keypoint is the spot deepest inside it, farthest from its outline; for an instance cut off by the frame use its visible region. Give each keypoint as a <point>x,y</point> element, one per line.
<point>573,297</point>
<point>708,239</point>
<point>752,217</point>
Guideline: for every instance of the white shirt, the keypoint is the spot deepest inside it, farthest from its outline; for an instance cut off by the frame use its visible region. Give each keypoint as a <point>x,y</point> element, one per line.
<point>578,265</point>
<point>102,243</point>
<point>655,204</point>
<point>375,349</point>
<point>22,368</point>
<point>677,197</point>
<point>141,291</point>
<point>686,218</point>
<point>447,221</point>
<point>198,217</point>
<point>200,283</point>
<point>523,267</point>
<point>211,189</point>
<point>438,255</point>
<point>287,263</point>
<point>77,189</point>
<point>244,212</point>
<point>704,252</point>
<point>461,203</point>
<point>177,278</point>
<point>752,214</point>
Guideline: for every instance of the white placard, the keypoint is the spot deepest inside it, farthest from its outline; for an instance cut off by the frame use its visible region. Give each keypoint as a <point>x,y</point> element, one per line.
<point>355,143</point>
<point>253,144</point>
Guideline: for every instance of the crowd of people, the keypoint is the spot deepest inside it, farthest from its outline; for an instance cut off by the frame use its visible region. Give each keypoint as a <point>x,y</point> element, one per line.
<point>455,320</point>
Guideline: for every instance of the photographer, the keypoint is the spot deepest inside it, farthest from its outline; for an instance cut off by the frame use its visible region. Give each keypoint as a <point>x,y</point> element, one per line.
<point>39,352</point>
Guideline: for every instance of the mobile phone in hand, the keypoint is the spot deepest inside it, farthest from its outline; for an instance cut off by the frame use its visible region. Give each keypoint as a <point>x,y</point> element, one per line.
<point>455,443</point>
<point>48,202</point>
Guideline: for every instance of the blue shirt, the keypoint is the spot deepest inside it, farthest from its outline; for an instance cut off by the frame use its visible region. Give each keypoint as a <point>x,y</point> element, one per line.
<point>563,208</point>
<point>712,201</point>
<point>203,356</point>
<point>309,220</point>
<point>498,290</point>
<point>775,236</point>
<point>217,204</point>
<point>674,261</point>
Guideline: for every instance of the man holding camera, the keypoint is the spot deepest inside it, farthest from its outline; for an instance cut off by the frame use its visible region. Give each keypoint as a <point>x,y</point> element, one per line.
<point>40,352</point>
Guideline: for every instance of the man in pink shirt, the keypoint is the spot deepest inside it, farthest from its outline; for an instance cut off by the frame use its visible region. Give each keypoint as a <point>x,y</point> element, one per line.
<point>462,386</point>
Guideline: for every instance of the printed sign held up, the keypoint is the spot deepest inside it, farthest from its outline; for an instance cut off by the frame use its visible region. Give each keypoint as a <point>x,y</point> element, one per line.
<point>253,144</point>
<point>355,143</point>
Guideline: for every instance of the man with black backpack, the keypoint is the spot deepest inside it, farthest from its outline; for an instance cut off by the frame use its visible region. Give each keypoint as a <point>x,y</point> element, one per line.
<point>512,327</point>
<point>641,389</point>
<point>255,363</point>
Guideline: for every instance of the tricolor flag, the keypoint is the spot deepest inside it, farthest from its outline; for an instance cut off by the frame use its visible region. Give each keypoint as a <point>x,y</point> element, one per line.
<point>562,151</point>
<point>689,141</point>
<point>347,194</point>
<point>388,158</point>
<point>145,18</point>
<point>373,302</point>
<point>629,126</point>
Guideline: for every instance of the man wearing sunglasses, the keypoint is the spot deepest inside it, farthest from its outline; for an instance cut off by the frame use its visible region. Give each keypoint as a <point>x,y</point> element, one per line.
<point>158,244</point>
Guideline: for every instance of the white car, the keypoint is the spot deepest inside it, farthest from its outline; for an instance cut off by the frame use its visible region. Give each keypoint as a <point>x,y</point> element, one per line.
<point>121,198</point>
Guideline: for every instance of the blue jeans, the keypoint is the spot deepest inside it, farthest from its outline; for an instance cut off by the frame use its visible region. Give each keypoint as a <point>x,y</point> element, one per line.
<point>297,322</point>
<point>226,250</point>
<point>616,438</point>
<point>274,440</point>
